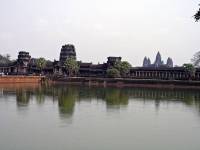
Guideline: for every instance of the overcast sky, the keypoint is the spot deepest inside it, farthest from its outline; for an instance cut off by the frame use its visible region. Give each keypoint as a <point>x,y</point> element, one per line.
<point>101,28</point>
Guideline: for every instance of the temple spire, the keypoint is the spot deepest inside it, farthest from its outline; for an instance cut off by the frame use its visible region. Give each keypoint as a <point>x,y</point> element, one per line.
<point>158,61</point>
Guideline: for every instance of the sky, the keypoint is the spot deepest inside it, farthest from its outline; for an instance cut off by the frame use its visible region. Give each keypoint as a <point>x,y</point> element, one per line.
<point>131,29</point>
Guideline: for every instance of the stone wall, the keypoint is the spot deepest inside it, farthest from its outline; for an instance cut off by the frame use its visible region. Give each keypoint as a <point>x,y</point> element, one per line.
<point>20,79</point>
<point>120,82</point>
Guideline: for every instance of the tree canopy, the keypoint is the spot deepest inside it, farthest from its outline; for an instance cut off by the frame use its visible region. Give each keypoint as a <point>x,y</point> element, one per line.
<point>71,66</point>
<point>197,15</point>
<point>190,69</point>
<point>123,67</point>
<point>41,63</point>
<point>5,59</point>
<point>196,59</point>
<point>113,73</point>
<point>120,69</point>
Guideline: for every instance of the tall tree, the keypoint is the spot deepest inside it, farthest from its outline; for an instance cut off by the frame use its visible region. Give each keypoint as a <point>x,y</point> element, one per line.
<point>8,56</point>
<point>113,73</point>
<point>41,63</point>
<point>197,15</point>
<point>190,70</point>
<point>196,59</point>
<point>123,67</point>
<point>4,59</point>
<point>71,66</point>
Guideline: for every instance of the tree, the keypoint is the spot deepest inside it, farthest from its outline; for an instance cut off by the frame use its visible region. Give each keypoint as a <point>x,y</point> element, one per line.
<point>4,59</point>
<point>113,73</point>
<point>124,67</point>
<point>196,59</point>
<point>41,63</point>
<point>190,70</point>
<point>71,66</point>
<point>116,97</point>
<point>197,15</point>
<point>7,56</point>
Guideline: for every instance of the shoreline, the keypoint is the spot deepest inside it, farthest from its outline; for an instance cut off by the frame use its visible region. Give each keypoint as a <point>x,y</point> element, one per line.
<point>103,82</point>
<point>20,79</point>
<point>123,82</point>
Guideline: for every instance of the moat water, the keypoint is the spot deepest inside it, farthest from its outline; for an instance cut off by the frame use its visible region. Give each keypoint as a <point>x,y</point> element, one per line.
<point>59,117</point>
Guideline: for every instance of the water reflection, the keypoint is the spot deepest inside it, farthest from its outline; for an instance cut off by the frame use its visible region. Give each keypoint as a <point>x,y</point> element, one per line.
<point>66,101</point>
<point>22,97</point>
<point>115,98</point>
<point>40,95</point>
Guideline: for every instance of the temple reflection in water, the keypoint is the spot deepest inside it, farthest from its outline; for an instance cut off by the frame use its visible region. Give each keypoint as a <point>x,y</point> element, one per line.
<point>67,97</point>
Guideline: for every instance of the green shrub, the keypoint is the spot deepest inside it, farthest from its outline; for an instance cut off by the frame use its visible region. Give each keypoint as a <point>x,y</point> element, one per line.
<point>113,73</point>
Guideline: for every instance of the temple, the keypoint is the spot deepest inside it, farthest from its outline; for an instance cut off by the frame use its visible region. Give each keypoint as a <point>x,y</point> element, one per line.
<point>25,65</point>
<point>158,62</point>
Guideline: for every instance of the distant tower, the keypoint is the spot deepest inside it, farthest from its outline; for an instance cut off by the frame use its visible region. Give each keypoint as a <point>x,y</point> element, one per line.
<point>112,61</point>
<point>67,51</point>
<point>22,62</point>
<point>169,62</point>
<point>145,62</point>
<point>158,62</point>
<point>149,61</point>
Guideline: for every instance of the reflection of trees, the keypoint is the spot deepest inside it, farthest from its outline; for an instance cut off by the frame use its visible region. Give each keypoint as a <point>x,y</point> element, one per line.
<point>66,101</point>
<point>188,97</point>
<point>116,97</point>
<point>68,95</point>
<point>22,97</point>
<point>40,97</point>
<point>164,94</point>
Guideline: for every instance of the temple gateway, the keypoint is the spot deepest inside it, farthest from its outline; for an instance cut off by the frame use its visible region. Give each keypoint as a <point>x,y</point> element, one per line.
<point>25,65</point>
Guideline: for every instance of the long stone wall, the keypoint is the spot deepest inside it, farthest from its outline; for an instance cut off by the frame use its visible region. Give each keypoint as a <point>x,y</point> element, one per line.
<point>20,79</point>
<point>120,82</point>
<point>163,74</point>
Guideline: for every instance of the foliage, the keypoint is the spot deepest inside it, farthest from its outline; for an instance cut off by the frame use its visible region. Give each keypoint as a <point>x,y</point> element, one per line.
<point>71,66</point>
<point>116,97</point>
<point>190,69</point>
<point>113,73</point>
<point>197,15</point>
<point>124,67</point>
<point>7,56</point>
<point>22,97</point>
<point>5,59</point>
<point>66,101</point>
<point>196,59</point>
<point>41,63</point>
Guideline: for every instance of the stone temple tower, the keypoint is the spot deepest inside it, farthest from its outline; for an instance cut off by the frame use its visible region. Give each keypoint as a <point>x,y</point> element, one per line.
<point>67,51</point>
<point>145,62</point>
<point>158,62</point>
<point>169,62</point>
<point>22,62</point>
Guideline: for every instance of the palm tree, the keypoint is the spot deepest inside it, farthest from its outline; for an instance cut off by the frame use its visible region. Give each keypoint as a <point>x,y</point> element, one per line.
<point>71,65</point>
<point>41,63</point>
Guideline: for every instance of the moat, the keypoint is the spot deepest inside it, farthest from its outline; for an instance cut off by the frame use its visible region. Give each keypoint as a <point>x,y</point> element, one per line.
<point>95,118</point>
